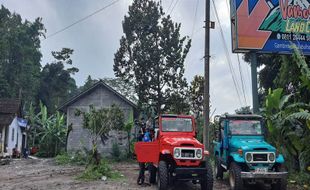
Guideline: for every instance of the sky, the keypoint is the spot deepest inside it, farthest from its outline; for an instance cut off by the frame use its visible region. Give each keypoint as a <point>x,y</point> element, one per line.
<point>96,39</point>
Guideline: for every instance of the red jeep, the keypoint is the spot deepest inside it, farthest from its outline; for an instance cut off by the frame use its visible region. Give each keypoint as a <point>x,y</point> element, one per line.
<point>175,153</point>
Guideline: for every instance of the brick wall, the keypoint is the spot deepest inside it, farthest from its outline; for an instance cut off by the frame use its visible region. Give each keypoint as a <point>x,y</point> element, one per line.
<point>80,137</point>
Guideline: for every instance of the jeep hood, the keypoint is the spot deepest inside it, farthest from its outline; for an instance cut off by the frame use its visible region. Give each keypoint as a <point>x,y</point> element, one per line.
<point>178,141</point>
<point>248,144</point>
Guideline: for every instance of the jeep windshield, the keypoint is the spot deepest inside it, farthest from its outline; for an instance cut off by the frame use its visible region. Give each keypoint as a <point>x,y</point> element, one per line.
<point>175,124</point>
<point>245,127</point>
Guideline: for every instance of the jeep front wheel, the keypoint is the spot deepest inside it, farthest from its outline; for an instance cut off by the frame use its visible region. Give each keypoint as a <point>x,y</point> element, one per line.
<point>206,182</point>
<point>235,180</point>
<point>162,179</point>
<point>218,168</point>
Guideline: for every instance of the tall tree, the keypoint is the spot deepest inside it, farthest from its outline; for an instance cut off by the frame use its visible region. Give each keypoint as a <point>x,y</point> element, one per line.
<point>152,54</point>
<point>20,55</point>
<point>57,83</point>
<point>126,89</point>
<point>196,95</point>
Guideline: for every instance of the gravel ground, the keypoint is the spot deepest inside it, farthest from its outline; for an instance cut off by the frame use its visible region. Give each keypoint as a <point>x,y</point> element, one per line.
<point>45,174</point>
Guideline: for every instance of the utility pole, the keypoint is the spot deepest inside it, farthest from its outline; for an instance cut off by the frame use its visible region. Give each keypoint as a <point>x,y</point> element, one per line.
<point>206,99</point>
<point>254,82</point>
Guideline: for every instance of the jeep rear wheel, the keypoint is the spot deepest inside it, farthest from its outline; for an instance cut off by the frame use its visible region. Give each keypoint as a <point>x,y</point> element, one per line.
<point>235,181</point>
<point>281,184</point>
<point>218,168</point>
<point>206,182</point>
<point>162,179</point>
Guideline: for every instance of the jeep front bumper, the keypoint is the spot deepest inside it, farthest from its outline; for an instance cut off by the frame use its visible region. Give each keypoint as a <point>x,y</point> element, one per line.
<point>189,173</point>
<point>267,175</point>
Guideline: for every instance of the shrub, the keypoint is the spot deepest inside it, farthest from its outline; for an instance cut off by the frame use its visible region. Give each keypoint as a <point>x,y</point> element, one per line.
<point>77,158</point>
<point>95,172</point>
<point>63,159</point>
<point>116,152</point>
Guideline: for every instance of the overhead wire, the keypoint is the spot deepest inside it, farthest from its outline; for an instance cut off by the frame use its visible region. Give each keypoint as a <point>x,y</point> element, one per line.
<point>239,66</point>
<point>195,17</point>
<point>233,74</point>
<point>242,81</point>
<point>170,6</point>
<point>175,4</point>
<point>81,20</point>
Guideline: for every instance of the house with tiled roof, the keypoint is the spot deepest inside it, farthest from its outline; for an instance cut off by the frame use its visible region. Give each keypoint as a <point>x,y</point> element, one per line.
<point>12,127</point>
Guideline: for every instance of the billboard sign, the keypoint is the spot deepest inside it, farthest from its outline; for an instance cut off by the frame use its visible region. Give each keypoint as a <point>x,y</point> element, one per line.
<point>270,26</point>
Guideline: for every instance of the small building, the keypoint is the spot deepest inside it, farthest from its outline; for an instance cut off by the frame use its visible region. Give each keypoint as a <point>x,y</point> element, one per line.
<point>100,95</point>
<point>13,136</point>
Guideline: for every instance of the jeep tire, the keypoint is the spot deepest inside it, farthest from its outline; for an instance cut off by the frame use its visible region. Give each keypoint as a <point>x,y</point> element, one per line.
<point>206,182</point>
<point>162,179</point>
<point>219,172</point>
<point>152,171</point>
<point>235,180</point>
<point>281,184</point>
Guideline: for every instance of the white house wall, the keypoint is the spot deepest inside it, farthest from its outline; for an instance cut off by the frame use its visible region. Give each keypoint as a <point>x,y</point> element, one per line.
<point>17,140</point>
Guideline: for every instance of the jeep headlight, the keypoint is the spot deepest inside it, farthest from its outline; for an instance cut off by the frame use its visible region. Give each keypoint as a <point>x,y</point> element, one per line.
<point>248,157</point>
<point>271,157</point>
<point>199,153</point>
<point>177,152</point>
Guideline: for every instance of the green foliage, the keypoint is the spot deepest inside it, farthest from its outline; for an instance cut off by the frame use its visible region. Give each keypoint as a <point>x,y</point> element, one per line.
<point>20,55</point>
<point>63,159</point>
<point>125,88</point>
<point>288,116</point>
<point>100,122</point>
<point>151,55</point>
<point>301,178</point>
<point>47,132</point>
<point>196,95</point>
<point>56,84</point>
<point>78,158</point>
<point>116,152</point>
<point>95,172</point>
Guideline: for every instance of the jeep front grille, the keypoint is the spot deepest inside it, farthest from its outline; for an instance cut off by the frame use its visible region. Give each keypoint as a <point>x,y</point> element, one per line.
<point>260,157</point>
<point>188,153</point>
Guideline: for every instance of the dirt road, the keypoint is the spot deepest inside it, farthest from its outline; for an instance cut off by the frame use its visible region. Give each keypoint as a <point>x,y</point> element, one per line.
<point>45,174</point>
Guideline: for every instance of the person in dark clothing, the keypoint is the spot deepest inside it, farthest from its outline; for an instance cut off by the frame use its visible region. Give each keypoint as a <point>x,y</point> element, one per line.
<point>146,137</point>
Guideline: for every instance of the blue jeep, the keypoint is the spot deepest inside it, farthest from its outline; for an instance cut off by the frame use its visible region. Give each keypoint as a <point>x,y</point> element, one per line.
<point>241,149</point>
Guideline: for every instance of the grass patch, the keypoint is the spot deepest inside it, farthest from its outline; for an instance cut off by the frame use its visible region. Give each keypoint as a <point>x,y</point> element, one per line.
<point>95,172</point>
<point>301,179</point>
<point>74,159</point>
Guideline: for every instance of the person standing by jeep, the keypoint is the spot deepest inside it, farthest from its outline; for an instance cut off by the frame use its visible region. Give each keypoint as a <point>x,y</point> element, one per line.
<point>144,136</point>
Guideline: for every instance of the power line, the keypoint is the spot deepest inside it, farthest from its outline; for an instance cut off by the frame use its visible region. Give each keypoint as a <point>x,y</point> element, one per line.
<point>195,16</point>
<point>81,20</point>
<point>242,82</point>
<point>174,6</point>
<point>227,54</point>
<point>170,6</point>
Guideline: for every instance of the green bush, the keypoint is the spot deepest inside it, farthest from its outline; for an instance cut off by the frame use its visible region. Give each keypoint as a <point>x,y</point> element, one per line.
<point>300,179</point>
<point>95,172</point>
<point>116,152</point>
<point>63,159</point>
<point>77,158</point>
